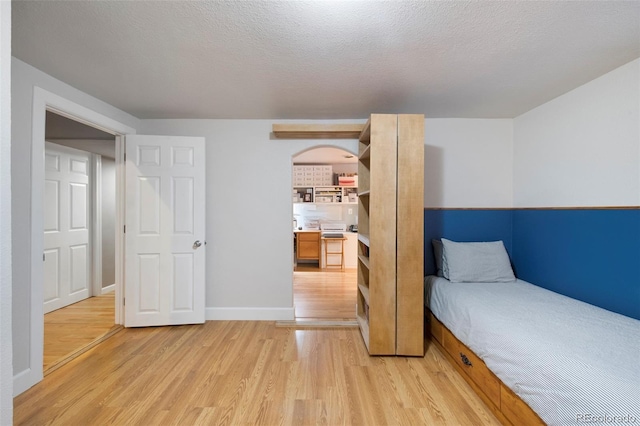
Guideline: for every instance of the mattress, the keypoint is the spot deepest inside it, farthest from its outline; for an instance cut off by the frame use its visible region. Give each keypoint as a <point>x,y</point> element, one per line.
<point>571,362</point>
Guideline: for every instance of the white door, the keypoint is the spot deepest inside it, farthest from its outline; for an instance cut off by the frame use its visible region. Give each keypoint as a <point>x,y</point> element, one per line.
<point>165,231</point>
<point>67,254</point>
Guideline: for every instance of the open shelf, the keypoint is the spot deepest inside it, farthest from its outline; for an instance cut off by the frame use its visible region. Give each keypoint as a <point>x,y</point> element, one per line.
<point>364,239</point>
<point>365,133</point>
<point>317,131</point>
<point>365,154</point>
<point>365,261</point>
<point>364,290</point>
<point>364,329</point>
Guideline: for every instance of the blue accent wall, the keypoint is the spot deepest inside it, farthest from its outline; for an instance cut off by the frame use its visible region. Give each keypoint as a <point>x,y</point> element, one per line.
<point>591,255</point>
<point>465,225</point>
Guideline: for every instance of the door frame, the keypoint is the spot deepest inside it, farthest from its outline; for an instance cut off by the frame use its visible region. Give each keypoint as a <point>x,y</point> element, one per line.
<point>43,101</point>
<point>293,258</point>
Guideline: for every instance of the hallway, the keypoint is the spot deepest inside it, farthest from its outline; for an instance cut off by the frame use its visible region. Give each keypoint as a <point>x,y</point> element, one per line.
<point>74,329</point>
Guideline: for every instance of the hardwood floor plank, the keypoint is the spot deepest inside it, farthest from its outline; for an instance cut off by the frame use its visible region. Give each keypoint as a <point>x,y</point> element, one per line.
<point>74,327</point>
<point>246,373</point>
<point>325,294</point>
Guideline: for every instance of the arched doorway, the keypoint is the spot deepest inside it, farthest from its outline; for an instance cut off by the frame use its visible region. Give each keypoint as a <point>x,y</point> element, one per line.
<point>324,201</point>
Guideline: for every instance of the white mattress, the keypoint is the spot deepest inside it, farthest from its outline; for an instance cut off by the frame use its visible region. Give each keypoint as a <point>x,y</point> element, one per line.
<point>571,362</point>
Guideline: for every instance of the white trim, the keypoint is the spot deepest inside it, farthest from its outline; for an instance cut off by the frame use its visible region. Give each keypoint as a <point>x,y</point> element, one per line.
<point>34,374</point>
<point>108,289</point>
<point>119,249</point>
<point>44,100</point>
<point>250,314</point>
<point>22,381</point>
<point>96,223</point>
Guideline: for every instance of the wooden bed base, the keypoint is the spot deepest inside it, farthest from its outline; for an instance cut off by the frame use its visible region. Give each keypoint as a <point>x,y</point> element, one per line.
<point>501,400</point>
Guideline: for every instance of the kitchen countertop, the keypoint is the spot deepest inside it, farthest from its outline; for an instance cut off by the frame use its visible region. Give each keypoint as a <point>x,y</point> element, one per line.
<point>317,230</point>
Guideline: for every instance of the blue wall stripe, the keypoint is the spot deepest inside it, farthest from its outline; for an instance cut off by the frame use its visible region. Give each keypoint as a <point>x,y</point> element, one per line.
<point>589,254</point>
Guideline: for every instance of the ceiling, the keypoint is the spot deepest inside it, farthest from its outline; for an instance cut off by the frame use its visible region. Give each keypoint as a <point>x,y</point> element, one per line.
<point>325,59</point>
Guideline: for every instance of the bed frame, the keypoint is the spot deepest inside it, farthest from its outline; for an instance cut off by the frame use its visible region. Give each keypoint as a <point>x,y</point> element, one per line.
<point>502,401</point>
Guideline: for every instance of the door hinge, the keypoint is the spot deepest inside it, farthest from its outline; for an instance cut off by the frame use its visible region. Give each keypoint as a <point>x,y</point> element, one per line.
<point>124,229</point>
<point>124,301</point>
<point>44,257</point>
<point>125,156</point>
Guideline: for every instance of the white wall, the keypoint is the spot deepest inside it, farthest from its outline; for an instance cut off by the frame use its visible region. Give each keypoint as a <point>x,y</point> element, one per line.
<point>249,214</point>
<point>108,201</point>
<point>24,79</point>
<point>345,168</point>
<point>6,370</point>
<point>468,162</point>
<point>582,148</point>
<point>249,250</point>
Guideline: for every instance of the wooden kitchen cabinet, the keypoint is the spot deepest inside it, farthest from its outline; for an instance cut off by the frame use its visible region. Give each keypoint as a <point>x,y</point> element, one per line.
<point>308,245</point>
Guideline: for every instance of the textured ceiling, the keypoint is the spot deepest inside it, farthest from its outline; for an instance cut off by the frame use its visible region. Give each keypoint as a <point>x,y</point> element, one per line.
<point>325,59</point>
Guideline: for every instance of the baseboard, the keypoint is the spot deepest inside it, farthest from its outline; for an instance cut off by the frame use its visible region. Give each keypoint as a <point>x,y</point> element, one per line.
<point>24,380</point>
<point>318,324</point>
<point>250,314</point>
<point>108,289</point>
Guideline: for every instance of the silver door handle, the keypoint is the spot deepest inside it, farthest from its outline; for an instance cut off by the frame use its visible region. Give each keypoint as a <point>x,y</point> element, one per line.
<point>197,244</point>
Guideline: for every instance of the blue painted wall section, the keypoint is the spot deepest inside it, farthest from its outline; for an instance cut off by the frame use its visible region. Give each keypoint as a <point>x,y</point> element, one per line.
<point>591,255</point>
<point>465,225</point>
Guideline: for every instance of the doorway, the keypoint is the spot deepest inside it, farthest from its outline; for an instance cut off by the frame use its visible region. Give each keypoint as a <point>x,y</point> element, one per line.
<point>43,101</point>
<point>324,202</point>
<point>79,239</point>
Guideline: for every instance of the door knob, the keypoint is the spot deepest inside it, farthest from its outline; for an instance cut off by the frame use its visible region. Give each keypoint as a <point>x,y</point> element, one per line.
<point>197,244</point>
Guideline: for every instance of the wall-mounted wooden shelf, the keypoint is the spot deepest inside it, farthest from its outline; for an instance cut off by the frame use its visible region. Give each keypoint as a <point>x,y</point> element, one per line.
<point>317,131</point>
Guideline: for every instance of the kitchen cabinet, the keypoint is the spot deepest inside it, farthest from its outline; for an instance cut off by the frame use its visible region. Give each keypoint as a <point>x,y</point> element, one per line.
<point>310,175</point>
<point>351,250</point>
<point>308,245</point>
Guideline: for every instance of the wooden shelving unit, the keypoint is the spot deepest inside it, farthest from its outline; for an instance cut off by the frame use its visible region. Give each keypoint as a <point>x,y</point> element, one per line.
<point>390,241</point>
<point>317,131</point>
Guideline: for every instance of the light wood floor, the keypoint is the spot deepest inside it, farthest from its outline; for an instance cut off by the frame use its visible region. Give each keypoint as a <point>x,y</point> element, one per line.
<point>325,295</point>
<point>248,373</point>
<point>73,327</point>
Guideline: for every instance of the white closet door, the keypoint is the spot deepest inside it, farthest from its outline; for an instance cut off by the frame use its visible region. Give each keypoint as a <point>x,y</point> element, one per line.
<point>165,231</point>
<point>67,200</point>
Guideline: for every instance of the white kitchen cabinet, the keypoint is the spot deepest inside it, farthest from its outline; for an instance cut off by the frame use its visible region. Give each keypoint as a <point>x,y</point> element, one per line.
<point>351,250</point>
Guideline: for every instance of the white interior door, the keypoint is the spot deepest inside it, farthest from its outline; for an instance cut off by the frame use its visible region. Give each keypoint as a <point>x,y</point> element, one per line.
<point>67,253</point>
<point>165,231</point>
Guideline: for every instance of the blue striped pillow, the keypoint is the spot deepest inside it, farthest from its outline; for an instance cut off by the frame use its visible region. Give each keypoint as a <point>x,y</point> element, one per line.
<point>476,262</point>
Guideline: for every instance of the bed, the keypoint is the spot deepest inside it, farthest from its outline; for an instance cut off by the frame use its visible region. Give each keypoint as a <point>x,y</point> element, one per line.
<point>550,358</point>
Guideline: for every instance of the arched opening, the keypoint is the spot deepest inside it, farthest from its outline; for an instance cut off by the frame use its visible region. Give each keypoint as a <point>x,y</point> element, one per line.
<point>325,219</point>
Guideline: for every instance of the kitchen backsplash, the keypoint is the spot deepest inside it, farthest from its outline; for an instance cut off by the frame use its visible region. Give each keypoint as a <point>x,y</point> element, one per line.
<point>307,212</point>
